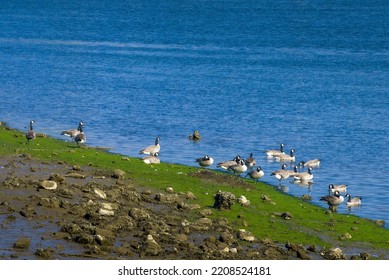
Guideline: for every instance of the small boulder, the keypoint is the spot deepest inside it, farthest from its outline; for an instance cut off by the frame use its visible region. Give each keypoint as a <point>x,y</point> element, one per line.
<point>48,185</point>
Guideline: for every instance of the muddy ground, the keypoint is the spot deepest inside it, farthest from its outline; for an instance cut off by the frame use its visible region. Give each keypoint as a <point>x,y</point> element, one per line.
<point>59,211</point>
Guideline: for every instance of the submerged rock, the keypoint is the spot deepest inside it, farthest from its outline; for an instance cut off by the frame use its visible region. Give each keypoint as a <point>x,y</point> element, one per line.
<point>22,243</point>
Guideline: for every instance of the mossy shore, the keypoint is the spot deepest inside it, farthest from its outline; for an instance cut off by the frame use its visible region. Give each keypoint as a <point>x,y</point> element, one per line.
<point>109,206</point>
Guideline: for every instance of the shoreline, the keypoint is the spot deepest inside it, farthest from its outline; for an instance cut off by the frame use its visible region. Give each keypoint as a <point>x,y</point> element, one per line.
<point>107,206</point>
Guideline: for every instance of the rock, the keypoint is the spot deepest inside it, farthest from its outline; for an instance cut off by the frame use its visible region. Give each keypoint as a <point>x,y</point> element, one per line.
<point>56,177</point>
<point>100,193</point>
<point>286,216</point>
<point>22,243</point>
<point>190,195</point>
<point>206,212</point>
<point>75,175</point>
<point>224,200</point>
<point>345,236</point>
<point>118,174</point>
<point>48,185</point>
<point>333,254</point>
<point>169,190</point>
<point>181,237</point>
<point>166,198</point>
<point>245,235</point>
<point>226,237</point>
<point>106,212</point>
<point>379,223</point>
<point>306,197</point>
<point>151,247</point>
<point>71,228</point>
<point>299,249</point>
<point>139,214</point>
<point>265,198</point>
<point>44,253</point>
<point>242,200</point>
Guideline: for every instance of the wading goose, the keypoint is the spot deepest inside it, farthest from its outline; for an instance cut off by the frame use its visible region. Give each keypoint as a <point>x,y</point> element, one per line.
<point>226,164</point>
<point>30,134</point>
<point>355,201</point>
<point>250,161</point>
<point>340,188</point>
<point>73,132</point>
<point>256,174</point>
<point>304,176</point>
<point>272,153</point>
<point>80,138</point>
<point>151,150</point>
<point>314,163</point>
<point>283,174</point>
<point>284,157</point>
<point>204,161</point>
<point>151,159</point>
<point>333,200</point>
<point>239,167</point>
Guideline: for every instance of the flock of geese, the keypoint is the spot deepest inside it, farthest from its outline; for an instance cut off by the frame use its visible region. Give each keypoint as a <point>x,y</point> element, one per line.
<point>238,165</point>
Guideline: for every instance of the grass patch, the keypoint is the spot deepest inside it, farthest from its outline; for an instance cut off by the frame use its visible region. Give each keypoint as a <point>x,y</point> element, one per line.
<point>309,224</point>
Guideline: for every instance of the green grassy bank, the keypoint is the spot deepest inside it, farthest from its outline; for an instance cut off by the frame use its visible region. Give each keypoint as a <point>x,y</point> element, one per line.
<point>309,225</point>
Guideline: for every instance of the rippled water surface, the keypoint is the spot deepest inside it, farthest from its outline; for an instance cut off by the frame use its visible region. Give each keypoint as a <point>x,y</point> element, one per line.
<point>248,75</point>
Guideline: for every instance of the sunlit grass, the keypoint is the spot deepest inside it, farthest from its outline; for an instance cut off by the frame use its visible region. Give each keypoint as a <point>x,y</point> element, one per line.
<point>309,225</point>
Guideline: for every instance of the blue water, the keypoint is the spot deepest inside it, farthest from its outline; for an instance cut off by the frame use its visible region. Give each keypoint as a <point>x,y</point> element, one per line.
<point>247,74</point>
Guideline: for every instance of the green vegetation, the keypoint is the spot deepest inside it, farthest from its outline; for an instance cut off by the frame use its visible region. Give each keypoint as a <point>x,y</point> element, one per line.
<point>309,224</point>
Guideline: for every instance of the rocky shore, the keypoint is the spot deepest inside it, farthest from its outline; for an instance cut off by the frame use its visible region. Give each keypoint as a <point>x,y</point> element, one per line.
<point>62,211</point>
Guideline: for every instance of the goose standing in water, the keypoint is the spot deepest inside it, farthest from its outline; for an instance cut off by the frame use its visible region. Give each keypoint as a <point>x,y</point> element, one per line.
<point>304,176</point>
<point>314,163</point>
<point>333,200</point>
<point>285,157</point>
<point>73,132</point>
<point>283,173</point>
<point>80,138</point>
<point>355,201</point>
<point>30,134</point>
<point>151,150</point>
<point>340,188</point>
<point>256,174</point>
<point>205,161</point>
<point>272,153</point>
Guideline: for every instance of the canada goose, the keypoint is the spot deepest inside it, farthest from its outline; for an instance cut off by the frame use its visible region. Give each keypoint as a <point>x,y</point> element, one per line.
<point>272,153</point>
<point>73,132</point>
<point>284,157</point>
<point>80,138</point>
<point>250,161</point>
<point>30,134</point>
<point>355,201</point>
<point>314,163</point>
<point>340,188</point>
<point>333,200</point>
<point>283,174</point>
<point>151,150</point>
<point>195,136</point>
<point>228,163</point>
<point>151,159</point>
<point>204,161</point>
<point>256,174</point>
<point>304,176</point>
<point>239,167</point>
